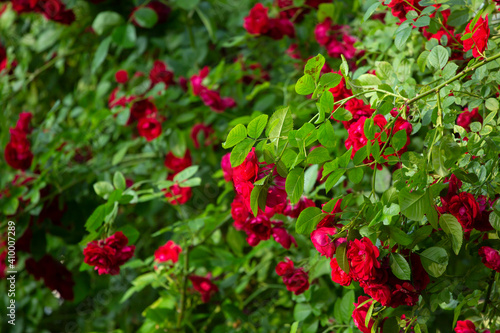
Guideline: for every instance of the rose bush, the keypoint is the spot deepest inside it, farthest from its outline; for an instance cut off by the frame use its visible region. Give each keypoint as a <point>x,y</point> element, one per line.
<point>244,166</point>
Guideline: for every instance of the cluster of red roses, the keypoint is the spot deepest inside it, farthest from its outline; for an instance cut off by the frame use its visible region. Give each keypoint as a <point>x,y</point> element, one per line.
<point>260,228</point>
<point>467,326</point>
<point>18,151</point>
<point>210,97</point>
<point>143,111</point>
<point>53,10</point>
<point>480,32</point>
<point>470,212</point>
<point>336,39</point>
<point>490,258</point>
<point>108,255</point>
<point>170,252</point>
<point>258,22</point>
<point>356,126</point>
<point>176,194</point>
<point>295,279</point>
<point>55,275</point>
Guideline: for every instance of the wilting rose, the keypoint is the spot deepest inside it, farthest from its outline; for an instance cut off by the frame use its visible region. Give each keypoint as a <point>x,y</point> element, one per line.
<point>149,128</point>
<point>108,255</point>
<point>490,257</point>
<point>465,326</point>
<point>204,286</point>
<point>169,251</point>
<point>257,21</point>
<point>282,236</point>
<point>362,256</point>
<point>479,40</point>
<point>338,275</point>
<point>359,314</point>
<point>177,164</point>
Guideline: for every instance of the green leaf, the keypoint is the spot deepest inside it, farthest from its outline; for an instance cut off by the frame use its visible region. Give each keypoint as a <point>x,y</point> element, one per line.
<point>438,161</point>
<point>100,54</point>
<point>438,57</point>
<point>452,227</point>
<point>119,181</point>
<point>294,185</point>
<point>254,199</point>
<point>341,255</point>
<point>310,177</point>
<point>434,260</point>
<point>402,35</point>
<point>314,66</point>
<point>422,21</point>
<point>240,152</point>
<point>187,4</point>
<point>186,173</point>
<point>105,21</point>
<point>124,36</point>
<point>318,156</point>
<point>495,220</point>
<point>399,236</point>
<point>257,125</point>
<point>369,12</point>
<point>324,106</point>
<point>102,188</point>
<point>326,135</point>
<point>400,266</point>
<point>305,85</point>
<point>391,325</point>
<point>301,311</point>
<point>145,17</point>
<point>95,220</point>
<point>491,104</point>
<point>412,204</point>
<point>308,219</point>
<point>235,136</point>
<point>342,114</point>
<point>384,70</point>
<point>294,327</point>
<point>399,139</point>
<point>369,129</point>
<point>347,305</point>
<point>355,175</point>
<point>280,124</point>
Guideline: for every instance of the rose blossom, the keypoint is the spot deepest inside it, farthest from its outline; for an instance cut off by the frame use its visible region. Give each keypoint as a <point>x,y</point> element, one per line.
<point>465,208</point>
<point>294,211</point>
<point>359,314</point>
<point>362,256</point>
<point>322,241</point>
<point>206,130</point>
<point>204,286</point>
<point>142,109</point>
<point>121,76</point>
<point>465,326</point>
<point>257,21</point>
<point>177,164</point>
<point>338,275</point>
<point>108,255</point>
<point>160,73</point>
<point>467,117</point>
<point>149,128</point>
<point>479,40</point>
<point>282,236</point>
<point>226,167</point>
<point>490,258</point>
<point>258,229</point>
<point>400,8</point>
<point>169,251</point>
<point>298,282</point>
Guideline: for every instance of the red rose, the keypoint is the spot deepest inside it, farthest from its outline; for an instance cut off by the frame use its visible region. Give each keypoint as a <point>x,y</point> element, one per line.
<point>276,194</point>
<point>467,117</point>
<point>160,73</point>
<point>465,208</point>
<point>322,32</point>
<point>379,292</point>
<point>177,195</point>
<point>196,81</point>
<point>169,251</point>
<point>298,282</point>
<point>121,76</point>
<point>257,21</point>
<point>18,154</point>
<point>282,236</point>
<point>465,326</point>
<point>322,241</point>
<point>226,167</point>
<point>205,130</point>
<point>333,216</point>
<point>362,256</point>
<point>149,128</point>
<point>400,8</point>
<point>142,109</point>
<point>204,286</point>
<point>358,109</point>
<point>338,275</point>
<point>279,28</point>
<point>294,211</point>
<point>108,255</point>
<point>23,123</point>
<point>490,258</point>
<point>404,293</point>
<point>177,164</point>
<point>212,99</point>
<point>285,268</point>
<point>336,39</point>
<point>479,40</point>
<point>248,170</point>
<point>420,277</point>
<point>359,315</point>
<point>24,6</point>
<point>258,229</point>
<point>239,212</point>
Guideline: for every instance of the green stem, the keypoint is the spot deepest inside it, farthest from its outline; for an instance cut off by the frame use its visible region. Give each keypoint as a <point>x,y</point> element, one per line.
<point>184,288</point>
<point>488,292</point>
